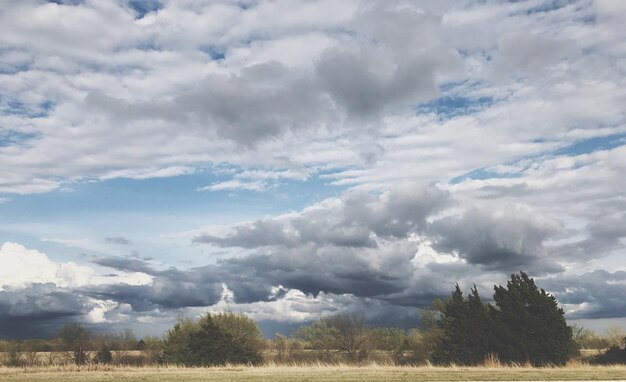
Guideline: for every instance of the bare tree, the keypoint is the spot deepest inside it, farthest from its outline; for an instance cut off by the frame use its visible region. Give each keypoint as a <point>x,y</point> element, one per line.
<point>616,335</point>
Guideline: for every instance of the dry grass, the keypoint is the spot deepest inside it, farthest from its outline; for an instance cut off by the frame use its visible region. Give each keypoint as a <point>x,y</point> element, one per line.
<point>314,373</point>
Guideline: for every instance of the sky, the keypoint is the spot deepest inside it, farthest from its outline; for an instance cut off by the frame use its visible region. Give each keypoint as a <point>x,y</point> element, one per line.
<point>291,159</point>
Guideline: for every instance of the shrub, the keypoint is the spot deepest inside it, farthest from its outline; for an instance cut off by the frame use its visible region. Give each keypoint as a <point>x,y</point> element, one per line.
<point>13,353</point>
<point>612,356</point>
<point>342,332</point>
<point>103,355</point>
<point>75,338</point>
<point>205,343</point>
<point>244,331</point>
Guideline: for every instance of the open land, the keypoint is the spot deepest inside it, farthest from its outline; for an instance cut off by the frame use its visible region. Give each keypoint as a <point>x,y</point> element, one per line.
<point>312,373</point>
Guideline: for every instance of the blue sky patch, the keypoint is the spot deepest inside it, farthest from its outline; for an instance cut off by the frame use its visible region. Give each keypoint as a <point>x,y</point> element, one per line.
<point>550,6</point>
<point>12,137</point>
<point>593,144</point>
<point>66,2</point>
<point>452,106</point>
<point>143,7</point>
<point>13,106</point>
<point>483,173</point>
<point>216,53</point>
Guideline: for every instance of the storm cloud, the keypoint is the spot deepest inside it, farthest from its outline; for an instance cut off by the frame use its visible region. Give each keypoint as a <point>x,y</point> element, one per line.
<point>296,158</point>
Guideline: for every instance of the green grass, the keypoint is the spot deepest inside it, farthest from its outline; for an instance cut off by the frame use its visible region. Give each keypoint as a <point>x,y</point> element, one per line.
<point>321,373</point>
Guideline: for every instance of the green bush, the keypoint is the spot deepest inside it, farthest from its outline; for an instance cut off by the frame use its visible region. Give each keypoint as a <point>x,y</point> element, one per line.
<point>206,342</point>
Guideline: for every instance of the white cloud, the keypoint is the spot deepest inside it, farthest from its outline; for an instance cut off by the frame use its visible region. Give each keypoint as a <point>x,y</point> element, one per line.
<point>236,184</point>
<point>20,266</point>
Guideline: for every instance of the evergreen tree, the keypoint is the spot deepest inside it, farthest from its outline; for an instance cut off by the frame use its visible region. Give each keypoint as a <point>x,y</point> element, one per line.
<point>533,327</point>
<point>453,325</point>
<point>478,337</point>
<point>465,326</point>
<point>525,325</point>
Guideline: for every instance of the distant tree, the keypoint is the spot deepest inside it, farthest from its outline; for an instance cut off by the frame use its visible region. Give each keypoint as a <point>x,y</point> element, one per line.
<point>319,337</point>
<point>616,335</point>
<point>390,340</point>
<point>342,332</point>
<point>76,338</point>
<point>421,344</point>
<point>32,348</point>
<point>51,351</point>
<point>13,353</point>
<point>103,355</point>
<point>152,348</point>
<point>352,338</point>
<point>280,345</point>
<point>287,349</point>
<point>588,339</point>
<point>423,341</point>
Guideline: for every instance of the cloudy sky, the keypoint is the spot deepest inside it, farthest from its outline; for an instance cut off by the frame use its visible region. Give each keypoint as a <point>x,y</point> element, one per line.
<point>295,158</point>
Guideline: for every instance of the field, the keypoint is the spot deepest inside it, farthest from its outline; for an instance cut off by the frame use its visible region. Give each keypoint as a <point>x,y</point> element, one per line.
<point>313,373</point>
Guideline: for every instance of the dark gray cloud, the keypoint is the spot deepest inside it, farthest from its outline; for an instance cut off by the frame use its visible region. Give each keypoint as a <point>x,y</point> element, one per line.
<point>39,309</point>
<point>509,242</point>
<point>395,61</point>
<point>262,101</point>
<point>130,264</point>
<point>596,294</point>
<point>603,237</point>
<point>356,220</point>
<point>170,289</point>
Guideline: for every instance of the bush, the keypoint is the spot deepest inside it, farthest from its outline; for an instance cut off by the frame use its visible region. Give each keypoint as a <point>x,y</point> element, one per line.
<point>207,343</point>
<point>287,350</point>
<point>345,333</point>
<point>243,330</point>
<point>103,355</point>
<point>151,346</point>
<point>389,340</point>
<point>13,353</point>
<point>612,356</point>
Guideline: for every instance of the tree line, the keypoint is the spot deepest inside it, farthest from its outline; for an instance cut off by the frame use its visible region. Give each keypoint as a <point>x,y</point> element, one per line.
<point>524,325</point>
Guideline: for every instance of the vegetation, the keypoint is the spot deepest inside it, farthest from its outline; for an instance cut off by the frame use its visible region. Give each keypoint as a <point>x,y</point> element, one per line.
<point>524,326</point>
<point>218,340</point>
<point>76,338</point>
<point>312,374</point>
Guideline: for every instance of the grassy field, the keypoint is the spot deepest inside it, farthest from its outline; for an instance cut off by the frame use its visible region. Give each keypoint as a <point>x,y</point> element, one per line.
<point>321,373</point>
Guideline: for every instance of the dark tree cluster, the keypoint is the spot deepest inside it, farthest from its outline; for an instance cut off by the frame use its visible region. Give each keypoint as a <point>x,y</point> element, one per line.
<point>525,325</point>
<point>612,356</point>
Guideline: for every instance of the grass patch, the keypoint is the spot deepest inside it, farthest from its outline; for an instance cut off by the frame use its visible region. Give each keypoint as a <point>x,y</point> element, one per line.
<point>313,373</point>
